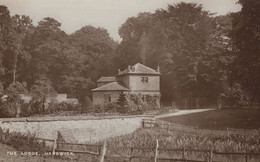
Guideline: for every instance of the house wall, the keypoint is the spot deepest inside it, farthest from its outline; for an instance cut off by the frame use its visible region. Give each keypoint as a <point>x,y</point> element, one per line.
<point>124,79</point>
<point>153,84</point>
<point>98,96</point>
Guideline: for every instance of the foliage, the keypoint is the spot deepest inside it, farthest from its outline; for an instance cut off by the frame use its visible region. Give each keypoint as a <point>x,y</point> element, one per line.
<point>9,108</point>
<point>69,62</point>
<point>139,102</point>
<point>246,41</point>
<point>143,138</point>
<point>199,53</point>
<point>22,142</point>
<point>42,92</point>
<point>235,97</point>
<point>191,46</point>
<point>33,109</point>
<point>122,103</point>
<point>106,108</point>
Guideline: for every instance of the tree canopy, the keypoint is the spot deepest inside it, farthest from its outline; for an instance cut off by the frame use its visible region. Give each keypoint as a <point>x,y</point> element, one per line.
<point>200,55</point>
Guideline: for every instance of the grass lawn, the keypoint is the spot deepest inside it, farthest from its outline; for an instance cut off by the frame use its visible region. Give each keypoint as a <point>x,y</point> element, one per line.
<point>220,119</point>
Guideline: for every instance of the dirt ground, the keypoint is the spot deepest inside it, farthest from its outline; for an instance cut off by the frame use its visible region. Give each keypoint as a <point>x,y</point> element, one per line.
<point>5,156</point>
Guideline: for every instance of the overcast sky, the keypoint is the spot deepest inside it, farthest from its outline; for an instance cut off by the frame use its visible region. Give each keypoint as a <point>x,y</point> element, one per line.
<point>109,14</point>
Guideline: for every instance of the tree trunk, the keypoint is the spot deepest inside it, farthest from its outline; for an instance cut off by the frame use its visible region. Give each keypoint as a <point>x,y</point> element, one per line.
<point>15,63</point>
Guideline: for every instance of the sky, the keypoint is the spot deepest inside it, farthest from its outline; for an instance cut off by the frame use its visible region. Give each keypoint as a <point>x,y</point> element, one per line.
<point>108,14</point>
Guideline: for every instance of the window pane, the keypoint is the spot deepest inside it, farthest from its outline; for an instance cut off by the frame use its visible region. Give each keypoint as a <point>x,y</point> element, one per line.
<point>146,79</point>
<point>142,79</point>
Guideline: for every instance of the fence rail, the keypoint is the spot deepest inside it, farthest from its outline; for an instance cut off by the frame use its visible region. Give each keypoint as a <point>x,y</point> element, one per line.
<point>164,125</point>
<point>103,154</point>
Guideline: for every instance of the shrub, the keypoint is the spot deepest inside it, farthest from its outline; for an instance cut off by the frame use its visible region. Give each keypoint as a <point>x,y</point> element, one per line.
<point>108,108</point>
<point>139,102</point>
<point>22,142</point>
<point>35,108</point>
<point>234,96</point>
<point>122,103</point>
<point>4,110</point>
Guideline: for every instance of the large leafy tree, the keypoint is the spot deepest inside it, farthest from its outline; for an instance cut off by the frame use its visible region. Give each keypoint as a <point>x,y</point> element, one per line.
<point>5,39</point>
<point>246,39</point>
<point>22,28</point>
<point>190,45</point>
<point>11,107</point>
<point>46,46</point>
<point>42,91</point>
<point>97,47</point>
<point>87,58</point>
<point>14,54</point>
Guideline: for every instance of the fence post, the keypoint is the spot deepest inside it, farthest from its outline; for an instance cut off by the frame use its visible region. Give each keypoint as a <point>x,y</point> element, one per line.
<point>54,147</point>
<point>247,158</point>
<point>103,153</point>
<point>197,103</point>
<point>183,154</point>
<point>156,150</point>
<point>227,131</point>
<point>162,125</point>
<point>185,103</point>
<point>196,129</point>
<point>211,156</point>
<point>131,154</point>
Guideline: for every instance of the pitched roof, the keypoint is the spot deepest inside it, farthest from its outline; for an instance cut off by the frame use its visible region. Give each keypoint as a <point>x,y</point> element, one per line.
<point>106,79</point>
<point>114,86</point>
<point>139,69</point>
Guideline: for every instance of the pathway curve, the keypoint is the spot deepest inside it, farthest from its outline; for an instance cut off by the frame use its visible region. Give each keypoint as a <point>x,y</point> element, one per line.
<point>182,112</point>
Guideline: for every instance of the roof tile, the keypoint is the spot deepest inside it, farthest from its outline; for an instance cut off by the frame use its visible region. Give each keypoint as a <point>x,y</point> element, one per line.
<point>114,86</point>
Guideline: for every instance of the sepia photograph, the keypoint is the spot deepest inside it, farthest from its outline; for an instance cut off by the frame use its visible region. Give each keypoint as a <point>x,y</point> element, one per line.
<point>129,81</point>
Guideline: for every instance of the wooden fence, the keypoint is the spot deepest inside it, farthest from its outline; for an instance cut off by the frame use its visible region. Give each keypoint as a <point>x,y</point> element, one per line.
<point>103,152</point>
<point>167,126</point>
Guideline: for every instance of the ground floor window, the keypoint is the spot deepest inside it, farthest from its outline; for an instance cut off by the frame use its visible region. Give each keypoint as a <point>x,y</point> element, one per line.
<point>107,98</point>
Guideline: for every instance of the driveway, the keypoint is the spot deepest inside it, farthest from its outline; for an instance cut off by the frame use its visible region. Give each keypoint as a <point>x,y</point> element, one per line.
<point>182,112</point>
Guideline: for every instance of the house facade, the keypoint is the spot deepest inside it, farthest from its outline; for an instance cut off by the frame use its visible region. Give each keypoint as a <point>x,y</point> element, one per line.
<point>138,82</point>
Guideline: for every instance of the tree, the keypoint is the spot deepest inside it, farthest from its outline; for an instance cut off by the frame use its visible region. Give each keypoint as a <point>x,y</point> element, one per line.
<point>5,39</point>
<point>246,39</point>
<point>22,27</point>
<point>189,44</point>
<point>97,48</point>
<point>13,103</point>
<point>122,103</point>
<point>46,46</point>
<point>42,92</point>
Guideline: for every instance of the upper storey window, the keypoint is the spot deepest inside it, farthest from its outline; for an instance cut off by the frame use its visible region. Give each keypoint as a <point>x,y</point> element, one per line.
<point>144,79</point>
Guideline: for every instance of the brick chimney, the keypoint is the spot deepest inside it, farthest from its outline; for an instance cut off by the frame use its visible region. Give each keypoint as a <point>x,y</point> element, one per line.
<point>158,68</point>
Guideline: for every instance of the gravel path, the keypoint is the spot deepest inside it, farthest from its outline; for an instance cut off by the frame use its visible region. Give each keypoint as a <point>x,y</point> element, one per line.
<point>182,112</point>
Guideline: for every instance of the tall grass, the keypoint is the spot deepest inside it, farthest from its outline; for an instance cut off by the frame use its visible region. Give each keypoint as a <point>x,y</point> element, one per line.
<point>176,140</point>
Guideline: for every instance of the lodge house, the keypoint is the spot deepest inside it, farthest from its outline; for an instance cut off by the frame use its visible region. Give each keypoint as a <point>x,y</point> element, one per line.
<point>137,80</point>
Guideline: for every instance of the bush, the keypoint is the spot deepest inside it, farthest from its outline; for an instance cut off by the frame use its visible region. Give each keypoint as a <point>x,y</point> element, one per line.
<point>35,108</point>
<point>22,142</point>
<point>234,96</point>
<point>107,108</point>
<point>4,110</point>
